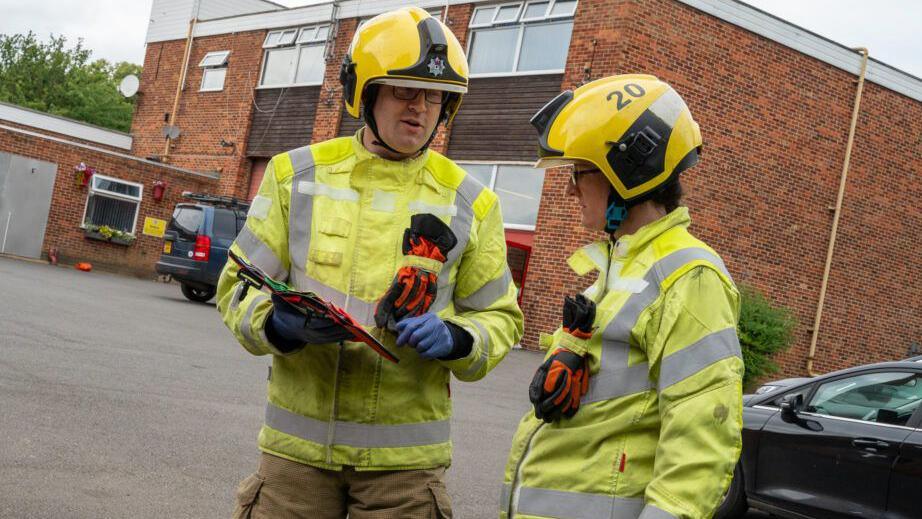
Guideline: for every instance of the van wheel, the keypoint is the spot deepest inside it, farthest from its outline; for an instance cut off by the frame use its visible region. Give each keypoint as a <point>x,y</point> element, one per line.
<point>734,504</point>
<point>199,295</point>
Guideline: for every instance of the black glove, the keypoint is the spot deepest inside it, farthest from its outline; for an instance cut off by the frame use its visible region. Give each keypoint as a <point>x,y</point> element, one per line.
<point>558,385</point>
<point>578,316</point>
<point>288,329</point>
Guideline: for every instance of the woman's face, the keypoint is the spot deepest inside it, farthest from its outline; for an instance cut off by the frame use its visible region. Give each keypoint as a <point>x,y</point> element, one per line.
<point>591,188</point>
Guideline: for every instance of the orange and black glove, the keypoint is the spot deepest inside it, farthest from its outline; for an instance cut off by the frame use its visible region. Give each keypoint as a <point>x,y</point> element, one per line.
<point>558,385</point>
<point>563,379</point>
<point>426,244</point>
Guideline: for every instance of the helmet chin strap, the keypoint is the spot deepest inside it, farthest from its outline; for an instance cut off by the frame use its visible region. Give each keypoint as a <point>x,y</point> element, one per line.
<point>368,103</point>
<point>616,212</point>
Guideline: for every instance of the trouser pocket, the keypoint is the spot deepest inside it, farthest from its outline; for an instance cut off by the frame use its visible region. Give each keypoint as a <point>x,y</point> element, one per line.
<point>247,494</point>
<point>442,508</point>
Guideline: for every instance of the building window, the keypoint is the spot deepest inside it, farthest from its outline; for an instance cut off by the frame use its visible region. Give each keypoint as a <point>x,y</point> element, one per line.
<point>519,188</point>
<point>113,203</point>
<point>523,37</point>
<point>295,57</point>
<point>214,66</point>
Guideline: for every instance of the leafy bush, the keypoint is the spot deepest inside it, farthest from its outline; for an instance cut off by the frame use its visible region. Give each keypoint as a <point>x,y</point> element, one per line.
<point>764,329</point>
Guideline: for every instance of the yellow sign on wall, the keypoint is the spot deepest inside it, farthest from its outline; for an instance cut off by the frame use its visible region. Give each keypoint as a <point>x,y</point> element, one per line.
<point>154,227</point>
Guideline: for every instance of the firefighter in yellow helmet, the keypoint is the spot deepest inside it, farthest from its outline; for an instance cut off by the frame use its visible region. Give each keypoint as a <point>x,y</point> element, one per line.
<point>413,249</point>
<point>637,406</point>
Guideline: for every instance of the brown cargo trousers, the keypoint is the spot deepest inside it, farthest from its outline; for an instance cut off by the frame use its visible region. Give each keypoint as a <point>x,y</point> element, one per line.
<point>283,489</point>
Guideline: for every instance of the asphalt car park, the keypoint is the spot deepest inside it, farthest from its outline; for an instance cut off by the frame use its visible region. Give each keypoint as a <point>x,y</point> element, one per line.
<point>121,398</point>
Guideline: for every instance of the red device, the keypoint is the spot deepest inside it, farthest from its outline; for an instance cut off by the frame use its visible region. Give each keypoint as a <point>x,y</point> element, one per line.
<point>308,303</point>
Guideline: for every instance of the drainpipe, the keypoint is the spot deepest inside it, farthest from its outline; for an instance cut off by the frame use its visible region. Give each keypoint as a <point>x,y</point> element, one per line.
<point>182,80</point>
<point>838,212</point>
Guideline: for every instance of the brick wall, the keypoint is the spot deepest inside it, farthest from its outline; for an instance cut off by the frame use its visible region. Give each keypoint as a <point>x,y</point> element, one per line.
<point>205,118</point>
<point>775,125</point>
<point>63,231</point>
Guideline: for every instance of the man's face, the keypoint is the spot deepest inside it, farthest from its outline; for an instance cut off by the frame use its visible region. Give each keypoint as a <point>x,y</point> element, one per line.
<point>405,125</point>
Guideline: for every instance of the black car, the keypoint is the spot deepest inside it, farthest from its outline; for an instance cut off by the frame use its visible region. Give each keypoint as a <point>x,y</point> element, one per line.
<point>845,444</point>
<point>196,241</point>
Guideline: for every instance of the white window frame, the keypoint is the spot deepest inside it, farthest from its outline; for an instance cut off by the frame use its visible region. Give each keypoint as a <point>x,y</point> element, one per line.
<point>540,18</point>
<point>222,56</point>
<point>521,22</point>
<point>499,7</point>
<point>492,185</point>
<point>550,8</point>
<point>92,190</point>
<point>297,44</point>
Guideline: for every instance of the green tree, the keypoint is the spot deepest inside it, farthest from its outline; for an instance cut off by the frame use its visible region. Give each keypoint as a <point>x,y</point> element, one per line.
<point>54,78</point>
<point>764,329</point>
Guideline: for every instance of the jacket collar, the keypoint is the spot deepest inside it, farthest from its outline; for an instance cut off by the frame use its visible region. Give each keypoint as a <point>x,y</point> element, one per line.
<point>398,170</point>
<point>630,244</point>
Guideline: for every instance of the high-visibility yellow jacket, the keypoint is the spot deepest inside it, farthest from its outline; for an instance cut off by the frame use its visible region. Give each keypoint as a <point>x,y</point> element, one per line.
<point>329,218</point>
<point>659,432</point>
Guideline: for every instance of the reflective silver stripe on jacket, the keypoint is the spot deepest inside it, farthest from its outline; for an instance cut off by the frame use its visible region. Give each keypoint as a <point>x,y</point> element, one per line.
<point>362,311</point>
<point>485,350</point>
<point>246,327</point>
<point>261,255</point>
<point>572,505</point>
<point>299,215</point>
<point>615,378</point>
<point>691,359</point>
<point>487,294</point>
<point>460,225</point>
<point>358,435</point>
<point>653,512</point>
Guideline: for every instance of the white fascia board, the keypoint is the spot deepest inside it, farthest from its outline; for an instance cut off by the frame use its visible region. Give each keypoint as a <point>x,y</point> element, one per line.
<point>806,42</point>
<point>321,11</point>
<point>63,126</point>
<point>270,20</point>
<point>363,8</point>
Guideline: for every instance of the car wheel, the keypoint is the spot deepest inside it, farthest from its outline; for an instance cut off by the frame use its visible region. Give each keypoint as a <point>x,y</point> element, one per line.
<point>199,295</point>
<point>734,504</point>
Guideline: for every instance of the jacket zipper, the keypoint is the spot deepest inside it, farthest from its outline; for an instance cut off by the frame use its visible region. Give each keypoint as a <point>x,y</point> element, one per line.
<point>331,426</point>
<point>517,477</point>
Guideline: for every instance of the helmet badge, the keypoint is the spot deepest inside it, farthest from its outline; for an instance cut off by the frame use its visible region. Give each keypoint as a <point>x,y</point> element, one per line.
<point>436,66</point>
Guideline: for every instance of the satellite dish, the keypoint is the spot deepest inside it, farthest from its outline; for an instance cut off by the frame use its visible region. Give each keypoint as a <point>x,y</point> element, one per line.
<point>170,132</point>
<point>129,85</point>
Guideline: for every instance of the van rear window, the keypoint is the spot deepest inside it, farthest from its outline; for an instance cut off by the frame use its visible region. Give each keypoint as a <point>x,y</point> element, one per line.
<point>225,224</point>
<point>187,221</point>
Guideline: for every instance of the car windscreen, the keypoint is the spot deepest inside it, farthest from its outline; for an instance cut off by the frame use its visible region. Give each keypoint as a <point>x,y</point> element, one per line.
<point>187,221</point>
<point>225,224</point>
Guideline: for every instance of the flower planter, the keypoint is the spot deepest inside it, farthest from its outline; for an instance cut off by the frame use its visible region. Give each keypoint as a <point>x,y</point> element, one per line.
<point>96,235</point>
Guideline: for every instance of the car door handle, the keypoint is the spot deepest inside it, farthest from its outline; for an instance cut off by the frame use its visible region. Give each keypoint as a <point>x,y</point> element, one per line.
<point>863,443</point>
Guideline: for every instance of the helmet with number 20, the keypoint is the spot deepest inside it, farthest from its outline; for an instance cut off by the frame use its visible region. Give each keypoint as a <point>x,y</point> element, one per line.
<point>634,128</point>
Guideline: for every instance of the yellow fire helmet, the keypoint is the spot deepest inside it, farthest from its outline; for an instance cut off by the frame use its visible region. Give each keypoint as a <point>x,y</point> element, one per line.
<point>406,47</point>
<point>635,128</point>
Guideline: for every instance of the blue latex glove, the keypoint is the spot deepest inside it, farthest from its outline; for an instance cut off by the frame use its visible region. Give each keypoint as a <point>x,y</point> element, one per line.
<point>427,334</point>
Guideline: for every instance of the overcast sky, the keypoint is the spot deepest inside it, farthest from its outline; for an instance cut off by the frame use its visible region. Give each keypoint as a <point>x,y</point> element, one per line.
<point>115,29</point>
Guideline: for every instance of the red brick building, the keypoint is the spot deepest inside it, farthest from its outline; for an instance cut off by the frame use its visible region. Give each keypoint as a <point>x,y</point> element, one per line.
<point>51,206</point>
<point>774,103</point>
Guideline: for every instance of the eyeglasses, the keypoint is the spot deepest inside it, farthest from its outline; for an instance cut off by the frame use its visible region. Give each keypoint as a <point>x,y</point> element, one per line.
<point>575,175</point>
<point>434,97</point>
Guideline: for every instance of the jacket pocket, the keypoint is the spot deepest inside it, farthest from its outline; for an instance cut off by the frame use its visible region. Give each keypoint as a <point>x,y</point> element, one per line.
<point>441,501</point>
<point>247,494</point>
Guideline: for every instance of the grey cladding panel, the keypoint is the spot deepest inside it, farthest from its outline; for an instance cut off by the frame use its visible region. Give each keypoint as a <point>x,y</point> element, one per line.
<point>493,121</point>
<point>283,119</point>
<point>348,125</point>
